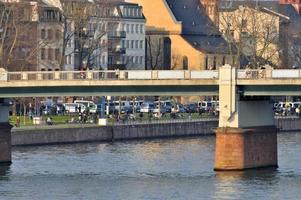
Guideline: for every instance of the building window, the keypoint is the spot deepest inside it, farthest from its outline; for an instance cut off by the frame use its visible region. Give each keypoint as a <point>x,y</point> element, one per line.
<point>136,44</point>
<point>104,59</point>
<point>132,28</point>
<point>224,60</point>
<point>68,60</point>
<point>50,57</point>
<point>126,11</point>
<point>141,59</point>
<point>43,34</point>
<point>57,54</point>
<point>127,28</point>
<point>214,63</point>
<point>43,54</point>
<point>50,34</point>
<point>141,29</point>
<point>136,59</point>
<point>58,34</point>
<point>206,62</point>
<point>137,28</point>
<point>185,63</point>
<point>141,44</point>
<point>127,44</point>
<point>132,44</point>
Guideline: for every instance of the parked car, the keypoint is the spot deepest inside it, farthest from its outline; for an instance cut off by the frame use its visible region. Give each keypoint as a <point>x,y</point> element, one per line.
<point>123,106</point>
<point>205,106</point>
<point>191,108</point>
<point>73,108</point>
<point>88,104</point>
<point>159,108</point>
<point>147,107</point>
<point>136,105</point>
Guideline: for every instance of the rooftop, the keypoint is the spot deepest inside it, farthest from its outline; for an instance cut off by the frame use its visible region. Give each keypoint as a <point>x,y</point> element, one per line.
<point>197,28</point>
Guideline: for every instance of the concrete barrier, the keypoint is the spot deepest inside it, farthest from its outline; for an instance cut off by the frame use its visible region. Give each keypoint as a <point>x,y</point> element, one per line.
<point>110,133</point>
<point>288,124</point>
<point>55,135</point>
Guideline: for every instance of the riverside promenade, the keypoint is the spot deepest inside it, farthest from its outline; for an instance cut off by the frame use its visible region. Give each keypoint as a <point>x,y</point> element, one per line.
<point>75,133</point>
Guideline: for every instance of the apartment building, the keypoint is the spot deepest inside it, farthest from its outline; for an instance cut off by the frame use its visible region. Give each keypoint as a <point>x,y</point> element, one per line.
<point>50,38</point>
<point>279,20</point>
<point>113,36</point>
<point>33,36</point>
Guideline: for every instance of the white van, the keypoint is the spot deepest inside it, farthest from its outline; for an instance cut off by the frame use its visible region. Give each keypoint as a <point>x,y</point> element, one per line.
<point>74,107</point>
<point>205,105</point>
<point>89,104</point>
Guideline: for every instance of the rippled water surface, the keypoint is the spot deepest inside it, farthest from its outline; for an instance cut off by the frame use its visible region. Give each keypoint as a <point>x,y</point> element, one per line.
<point>150,170</point>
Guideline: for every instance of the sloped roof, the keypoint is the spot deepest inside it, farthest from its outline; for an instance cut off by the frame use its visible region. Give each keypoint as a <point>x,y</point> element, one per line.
<point>197,28</point>
<point>210,44</point>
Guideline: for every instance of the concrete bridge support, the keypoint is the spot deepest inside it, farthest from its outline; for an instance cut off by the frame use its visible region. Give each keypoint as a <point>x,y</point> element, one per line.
<point>246,137</point>
<point>5,133</point>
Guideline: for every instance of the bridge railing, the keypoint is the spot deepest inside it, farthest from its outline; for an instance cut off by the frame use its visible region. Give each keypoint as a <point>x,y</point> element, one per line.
<point>146,75</point>
<point>109,75</point>
<point>269,74</point>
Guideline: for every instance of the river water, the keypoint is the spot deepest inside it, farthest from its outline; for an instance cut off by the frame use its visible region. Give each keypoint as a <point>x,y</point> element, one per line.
<point>148,170</point>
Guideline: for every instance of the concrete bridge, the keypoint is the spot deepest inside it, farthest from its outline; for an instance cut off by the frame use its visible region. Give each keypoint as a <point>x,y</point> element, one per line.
<point>246,137</point>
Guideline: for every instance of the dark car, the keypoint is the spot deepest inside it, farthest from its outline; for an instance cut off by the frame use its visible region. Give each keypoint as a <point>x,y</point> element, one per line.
<point>191,108</point>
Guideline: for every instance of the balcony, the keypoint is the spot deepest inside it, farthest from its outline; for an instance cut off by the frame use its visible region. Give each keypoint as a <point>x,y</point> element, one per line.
<point>116,34</point>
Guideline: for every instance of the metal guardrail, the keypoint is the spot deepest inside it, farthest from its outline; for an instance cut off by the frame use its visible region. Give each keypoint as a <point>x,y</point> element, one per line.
<point>146,75</point>
<point>163,121</point>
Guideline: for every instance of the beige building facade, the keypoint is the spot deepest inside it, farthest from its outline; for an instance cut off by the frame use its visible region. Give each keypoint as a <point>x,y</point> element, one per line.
<point>191,37</point>
<point>256,32</point>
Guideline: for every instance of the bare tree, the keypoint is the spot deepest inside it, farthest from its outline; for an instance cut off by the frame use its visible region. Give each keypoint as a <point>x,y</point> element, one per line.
<point>255,33</point>
<point>91,21</point>
<point>295,55</point>
<point>154,46</point>
<point>19,47</point>
<point>13,32</point>
<point>176,59</point>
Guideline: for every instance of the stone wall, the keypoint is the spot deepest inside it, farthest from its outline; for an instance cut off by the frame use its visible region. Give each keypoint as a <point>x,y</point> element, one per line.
<point>239,149</point>
<point>288,124</point>
<point>110,133</point>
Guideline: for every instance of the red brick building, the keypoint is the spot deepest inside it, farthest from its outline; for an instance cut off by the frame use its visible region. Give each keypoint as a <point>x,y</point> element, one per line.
<point>295,3</point>
<point>32,36</point>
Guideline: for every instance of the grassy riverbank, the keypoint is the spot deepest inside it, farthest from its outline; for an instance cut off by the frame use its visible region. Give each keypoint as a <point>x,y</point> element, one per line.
<point>66,119</point>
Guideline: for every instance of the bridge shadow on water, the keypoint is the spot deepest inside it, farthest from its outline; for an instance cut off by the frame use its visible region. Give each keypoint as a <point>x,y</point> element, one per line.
<point>4,170</point>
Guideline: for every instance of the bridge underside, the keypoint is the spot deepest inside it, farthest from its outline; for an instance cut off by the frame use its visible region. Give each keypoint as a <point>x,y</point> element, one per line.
<point>187,90</point>
<point>270,90</point>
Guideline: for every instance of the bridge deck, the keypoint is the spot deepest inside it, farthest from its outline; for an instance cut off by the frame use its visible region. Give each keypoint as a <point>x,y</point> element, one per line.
<point>145,83</point>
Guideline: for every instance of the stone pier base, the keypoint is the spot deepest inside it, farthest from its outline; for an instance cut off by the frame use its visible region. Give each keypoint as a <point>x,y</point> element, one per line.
<point>5,143</point>
<point>240,149</point>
